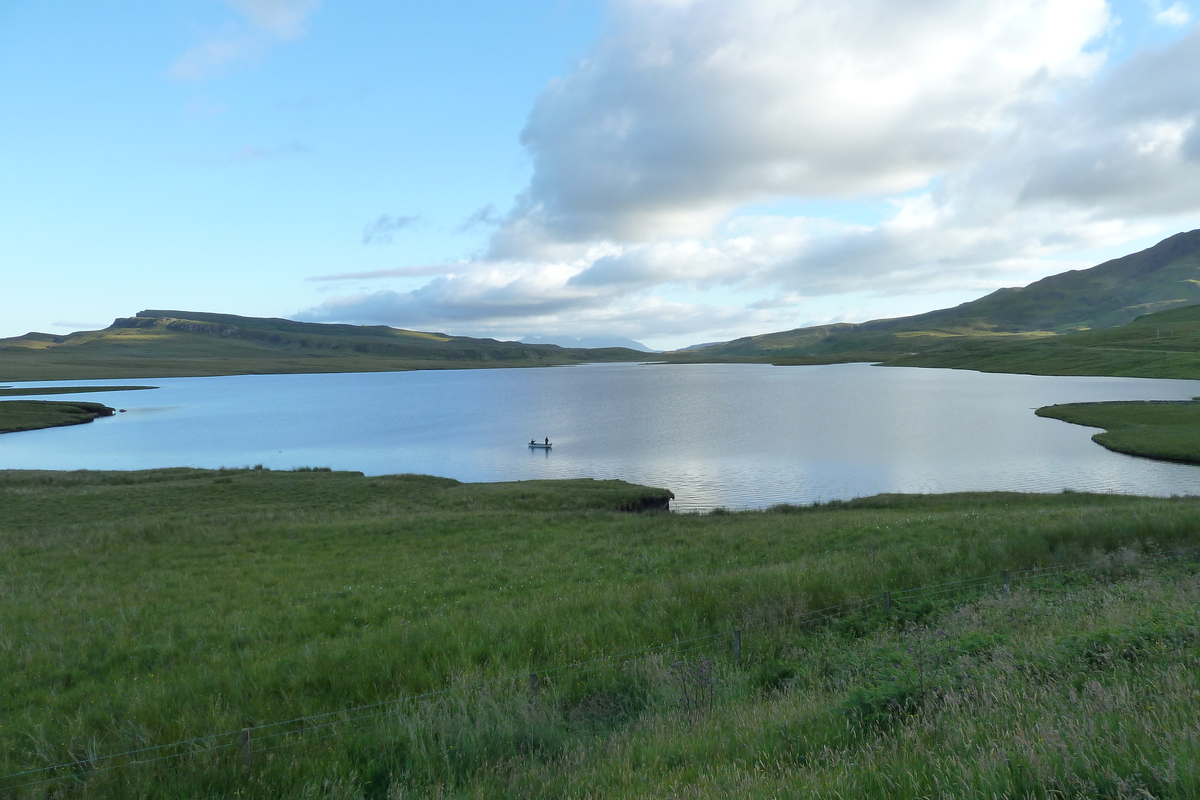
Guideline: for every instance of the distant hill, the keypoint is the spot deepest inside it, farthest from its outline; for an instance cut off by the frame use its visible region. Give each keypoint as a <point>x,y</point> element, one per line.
<point>1114,293</point>
<point>589,342</point>
<point>700,346</point>
<point>189,343</point>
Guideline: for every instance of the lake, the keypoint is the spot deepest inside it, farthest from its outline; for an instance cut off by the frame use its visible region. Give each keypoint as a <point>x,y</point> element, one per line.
<point>731,435</point>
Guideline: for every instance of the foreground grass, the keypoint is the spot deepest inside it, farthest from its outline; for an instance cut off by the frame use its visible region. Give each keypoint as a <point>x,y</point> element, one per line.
<point>144,608</point>
<point>29,415</point>
<point>1085,690</point>
<point>1166,430</point>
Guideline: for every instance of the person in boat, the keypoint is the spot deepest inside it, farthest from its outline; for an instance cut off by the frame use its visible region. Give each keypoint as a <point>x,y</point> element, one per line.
<point>547,440</point>
<point>532,441</point>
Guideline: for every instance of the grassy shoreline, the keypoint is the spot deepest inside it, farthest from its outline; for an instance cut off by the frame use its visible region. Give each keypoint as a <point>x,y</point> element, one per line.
<point>147,607</point>
<point>31,415</point>
<point>1165,430</point>
<point>15,391</point>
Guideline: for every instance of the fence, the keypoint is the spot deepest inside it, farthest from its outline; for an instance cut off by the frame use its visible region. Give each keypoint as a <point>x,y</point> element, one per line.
<point>253,741</point>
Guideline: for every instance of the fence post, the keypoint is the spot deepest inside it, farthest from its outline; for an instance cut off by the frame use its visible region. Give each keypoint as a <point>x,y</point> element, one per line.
<point>533,683</point>
<point>1007,581</point>
<point>737,644</point>
<point>1196,554</point>
<point>246,747</point>
<point>887,601</point>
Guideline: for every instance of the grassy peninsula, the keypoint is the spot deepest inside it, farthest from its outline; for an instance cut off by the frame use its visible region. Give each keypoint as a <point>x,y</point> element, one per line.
<point>1166,430</point>
<point>29,415</point>
<point>145,608</point>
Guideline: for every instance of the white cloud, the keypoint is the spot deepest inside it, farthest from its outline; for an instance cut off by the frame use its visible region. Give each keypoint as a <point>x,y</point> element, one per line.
<point>262,24</point>
<point>687,110</point>
<point>996,134</point>
<point>505,305</point>
<point>282,19</point>
<point>1175,16</point>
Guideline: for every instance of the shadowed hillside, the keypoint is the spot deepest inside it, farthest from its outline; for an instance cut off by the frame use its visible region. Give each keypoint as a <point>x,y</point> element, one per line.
<point>187,343</point>
<point>1114,293</point>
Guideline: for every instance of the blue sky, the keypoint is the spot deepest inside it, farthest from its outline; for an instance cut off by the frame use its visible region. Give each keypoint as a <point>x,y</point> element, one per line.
<point>672,171</point>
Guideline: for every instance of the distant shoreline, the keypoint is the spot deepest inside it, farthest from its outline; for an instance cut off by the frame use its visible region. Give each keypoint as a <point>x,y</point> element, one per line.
<point>10,391</point>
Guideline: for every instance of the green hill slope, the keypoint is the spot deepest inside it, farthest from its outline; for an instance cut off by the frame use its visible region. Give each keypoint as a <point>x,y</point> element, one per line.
<point>1164,276</point>
<point>1165,344</point>
<point>188,343</point>
<point>1114,293</point>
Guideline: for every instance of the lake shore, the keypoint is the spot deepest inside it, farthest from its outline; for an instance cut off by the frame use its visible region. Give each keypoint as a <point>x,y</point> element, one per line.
<point>30,415</point>
<point>1161,430</point>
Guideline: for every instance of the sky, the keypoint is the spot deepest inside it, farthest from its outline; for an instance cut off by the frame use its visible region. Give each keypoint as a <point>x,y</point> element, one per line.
<point>670,171</point>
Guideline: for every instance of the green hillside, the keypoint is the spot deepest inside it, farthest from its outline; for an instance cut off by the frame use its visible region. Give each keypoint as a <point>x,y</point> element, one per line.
<point>188,343</point>
<point>1161,277</point>
<point>1161,345</point>
<point>1117,292</point>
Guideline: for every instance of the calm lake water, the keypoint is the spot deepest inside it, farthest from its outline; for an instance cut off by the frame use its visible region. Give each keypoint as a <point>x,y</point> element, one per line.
<point>733,435</point>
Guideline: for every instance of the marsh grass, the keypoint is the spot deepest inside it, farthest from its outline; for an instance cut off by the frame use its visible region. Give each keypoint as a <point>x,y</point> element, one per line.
<point>145,608</point>
<point>1166,430</point>
<point>29,415</point>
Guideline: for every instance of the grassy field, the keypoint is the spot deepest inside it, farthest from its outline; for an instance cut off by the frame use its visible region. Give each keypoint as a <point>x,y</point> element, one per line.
<point>28,415</point>
<point>1164,430</point>
<point>1161,345</point>
<point>145,608</point>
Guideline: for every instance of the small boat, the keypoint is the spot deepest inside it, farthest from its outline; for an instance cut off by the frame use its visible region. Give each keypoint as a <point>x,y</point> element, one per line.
<point>540,445</point>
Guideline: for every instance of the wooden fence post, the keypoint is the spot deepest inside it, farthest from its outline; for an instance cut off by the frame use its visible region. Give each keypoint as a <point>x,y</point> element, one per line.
<point>533,683</point>
<point>737,644</point>
<point>1007,581</point>
<point>246,747</point>
<point>887,601</point>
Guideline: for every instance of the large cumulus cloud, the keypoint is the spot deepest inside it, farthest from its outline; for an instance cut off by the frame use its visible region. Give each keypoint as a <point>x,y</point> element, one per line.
<point>995,134</point>
<point>689,109</point>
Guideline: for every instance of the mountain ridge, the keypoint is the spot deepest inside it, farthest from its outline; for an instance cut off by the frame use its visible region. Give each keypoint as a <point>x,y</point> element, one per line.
<point>1110,294</point>
<point>158,343</point>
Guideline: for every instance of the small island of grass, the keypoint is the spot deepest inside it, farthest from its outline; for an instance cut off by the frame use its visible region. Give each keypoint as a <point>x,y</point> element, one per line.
<point>1165,430</point>
<point>30,415</point>
<point>27,391</point>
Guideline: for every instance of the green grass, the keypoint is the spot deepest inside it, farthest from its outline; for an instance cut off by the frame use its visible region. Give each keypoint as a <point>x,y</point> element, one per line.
<point>142,608</point>
<point>28,415</point>
<point>1167,430</point>
<point>1084,690</point>
<point>9,391</point>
